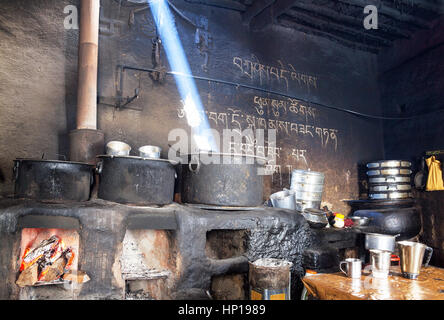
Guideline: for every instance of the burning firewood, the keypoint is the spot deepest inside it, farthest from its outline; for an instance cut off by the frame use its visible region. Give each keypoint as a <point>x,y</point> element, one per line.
<point>55,270</point>
<point>45,248</point>
<point>29,276</point>
<point>46,263</point>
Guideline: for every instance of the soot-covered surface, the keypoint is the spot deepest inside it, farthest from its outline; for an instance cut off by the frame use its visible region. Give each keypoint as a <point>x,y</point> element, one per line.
<point>272,233</point>
<point>269,233</point>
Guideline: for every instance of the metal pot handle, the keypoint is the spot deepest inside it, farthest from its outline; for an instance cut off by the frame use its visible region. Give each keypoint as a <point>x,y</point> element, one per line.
<point>430,252</point>
<point>340,266</point>
<point>190,167</point>
<point>99,167</point>
<point>15,170</point>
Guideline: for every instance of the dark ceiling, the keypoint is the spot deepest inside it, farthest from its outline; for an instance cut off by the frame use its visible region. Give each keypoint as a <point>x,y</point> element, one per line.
<point>338,20</point>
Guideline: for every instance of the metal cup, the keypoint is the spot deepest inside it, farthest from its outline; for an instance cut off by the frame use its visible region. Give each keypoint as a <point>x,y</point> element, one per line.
<point>150,152</point>
<point>353,267</point>
<point>380,263</point>
<point>117,148</point>
<point>283,199</point>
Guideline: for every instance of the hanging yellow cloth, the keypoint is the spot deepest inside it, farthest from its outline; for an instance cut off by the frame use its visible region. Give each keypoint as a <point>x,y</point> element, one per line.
<point>434,180</point>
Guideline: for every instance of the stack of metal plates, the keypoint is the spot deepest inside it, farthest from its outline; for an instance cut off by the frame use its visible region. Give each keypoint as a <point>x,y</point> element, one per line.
<point>389,179</point>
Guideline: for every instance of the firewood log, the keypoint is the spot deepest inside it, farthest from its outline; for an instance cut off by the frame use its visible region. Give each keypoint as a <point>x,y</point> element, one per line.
<point>29,276</point>
<point>76,276</point>
<point>55,270</point>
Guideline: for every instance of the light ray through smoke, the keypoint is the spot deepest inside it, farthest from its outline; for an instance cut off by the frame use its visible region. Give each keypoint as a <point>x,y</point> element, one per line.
<point>194,110</point>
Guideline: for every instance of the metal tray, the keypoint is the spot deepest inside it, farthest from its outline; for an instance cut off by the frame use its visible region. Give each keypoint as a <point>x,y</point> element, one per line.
<point>389,164</point>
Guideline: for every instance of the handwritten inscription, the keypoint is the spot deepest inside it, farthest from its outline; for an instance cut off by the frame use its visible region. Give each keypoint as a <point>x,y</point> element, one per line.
<point>266,73</point>
<point>277,107</point>
<point>237,121</point>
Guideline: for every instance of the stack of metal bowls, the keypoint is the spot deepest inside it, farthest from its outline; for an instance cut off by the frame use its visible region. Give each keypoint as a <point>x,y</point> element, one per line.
<point>307,187</point>
<point>389,180</point>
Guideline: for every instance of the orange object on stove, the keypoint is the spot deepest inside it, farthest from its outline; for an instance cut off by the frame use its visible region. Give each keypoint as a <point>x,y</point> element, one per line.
<point>394,259</point>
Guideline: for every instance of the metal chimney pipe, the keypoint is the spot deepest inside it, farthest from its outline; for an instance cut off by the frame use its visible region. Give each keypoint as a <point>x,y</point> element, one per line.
<point>87,65</point>
<point>86,142</point>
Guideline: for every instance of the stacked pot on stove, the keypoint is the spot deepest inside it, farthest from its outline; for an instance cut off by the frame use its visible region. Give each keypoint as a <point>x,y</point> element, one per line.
<point>388,180</point>
<point>390,206</point>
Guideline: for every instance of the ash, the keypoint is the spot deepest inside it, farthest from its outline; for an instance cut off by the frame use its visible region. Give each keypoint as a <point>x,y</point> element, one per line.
<point>138,295</point>
<point>272,263</point>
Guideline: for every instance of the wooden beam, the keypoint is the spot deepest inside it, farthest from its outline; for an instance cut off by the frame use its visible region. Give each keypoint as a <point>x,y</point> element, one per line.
<point>257,7</point>
<point>324,25</point>
<point>436,7</point>
<point>384,30</point>
<point>224,4</point>
<point>269,15</point>
<point>390,12</point>
<point>287,23</point>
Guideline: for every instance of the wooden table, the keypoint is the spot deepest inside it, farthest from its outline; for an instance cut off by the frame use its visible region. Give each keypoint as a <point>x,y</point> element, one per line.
<point>336,286</point>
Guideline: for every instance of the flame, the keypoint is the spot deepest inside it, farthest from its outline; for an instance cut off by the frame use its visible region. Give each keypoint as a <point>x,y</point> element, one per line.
<point>25,265</point>
<point>58,249</point>
<point>43,273</point>
<point>70,260</point>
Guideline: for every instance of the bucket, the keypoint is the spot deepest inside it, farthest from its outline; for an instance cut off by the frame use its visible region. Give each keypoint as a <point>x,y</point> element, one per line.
<point>270,279</point>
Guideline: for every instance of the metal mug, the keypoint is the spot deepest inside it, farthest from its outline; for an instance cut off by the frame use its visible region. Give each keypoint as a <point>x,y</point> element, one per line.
<point>353,267</point>
<point>380,263</point>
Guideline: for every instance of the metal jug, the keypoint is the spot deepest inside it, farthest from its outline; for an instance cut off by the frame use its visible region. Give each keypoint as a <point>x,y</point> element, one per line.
<point>411,256</point>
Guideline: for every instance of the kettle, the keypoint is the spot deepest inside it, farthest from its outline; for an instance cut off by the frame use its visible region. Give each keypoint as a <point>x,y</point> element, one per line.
<point>411,256</point>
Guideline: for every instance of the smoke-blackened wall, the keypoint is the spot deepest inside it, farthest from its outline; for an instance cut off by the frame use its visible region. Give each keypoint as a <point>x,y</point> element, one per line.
<point>41,112</point>
<point>411,81</point>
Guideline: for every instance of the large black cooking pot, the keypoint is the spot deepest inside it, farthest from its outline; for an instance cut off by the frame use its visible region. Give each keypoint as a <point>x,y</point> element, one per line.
<point>403,221</point>
<point>134,180</point>
<point>237,184</point>
<point>52,180</point>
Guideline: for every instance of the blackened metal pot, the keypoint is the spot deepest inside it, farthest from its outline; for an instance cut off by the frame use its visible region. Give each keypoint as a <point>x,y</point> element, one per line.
<point>52,180</point>
<point>134,180</point>
<point>238,184</point>
<point>403,221</point>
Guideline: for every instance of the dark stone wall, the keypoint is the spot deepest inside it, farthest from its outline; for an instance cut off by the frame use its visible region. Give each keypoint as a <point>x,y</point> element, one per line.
<point>37,97</point>
<point>412,82</point>
<point>38,76</point>
<point>324,140</point>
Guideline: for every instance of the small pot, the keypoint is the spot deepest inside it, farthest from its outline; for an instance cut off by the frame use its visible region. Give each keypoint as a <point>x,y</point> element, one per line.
<point>316,218</point>
<point>283,199</point>
<point>117,148</point>
<point>378,241</point>
<point>150,152</point>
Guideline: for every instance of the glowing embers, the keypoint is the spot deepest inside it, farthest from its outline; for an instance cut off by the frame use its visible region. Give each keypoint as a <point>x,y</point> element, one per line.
<point>49,256</point>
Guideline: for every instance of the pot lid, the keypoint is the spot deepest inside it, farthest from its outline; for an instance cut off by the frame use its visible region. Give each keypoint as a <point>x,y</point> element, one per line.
<point>54,161</point>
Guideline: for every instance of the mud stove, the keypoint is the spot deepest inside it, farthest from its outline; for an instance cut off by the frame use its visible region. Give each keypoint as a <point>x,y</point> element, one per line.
<point>151,252</point>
